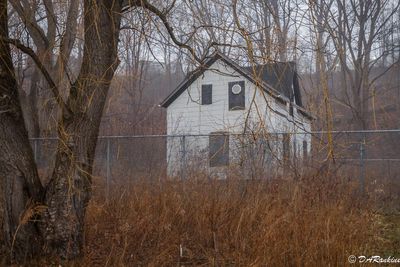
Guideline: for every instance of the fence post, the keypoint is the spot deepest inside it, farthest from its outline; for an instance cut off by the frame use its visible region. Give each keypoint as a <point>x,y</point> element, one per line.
<point>108,171</point>
<point>183,163</point>
<point>362,165</point>
<point>35,148</point>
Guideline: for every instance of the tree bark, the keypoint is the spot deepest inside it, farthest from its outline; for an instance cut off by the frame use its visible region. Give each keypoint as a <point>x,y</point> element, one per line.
<point>69,189</point>
<point>22,190</point>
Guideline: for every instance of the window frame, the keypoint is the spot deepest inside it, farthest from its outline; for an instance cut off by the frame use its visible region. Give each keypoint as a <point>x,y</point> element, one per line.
<point>233,99</point>
<point>218,157</point>
<point>206,90</point>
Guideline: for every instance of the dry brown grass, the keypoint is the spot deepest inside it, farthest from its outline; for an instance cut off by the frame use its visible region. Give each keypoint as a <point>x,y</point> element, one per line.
<point>308,222</point>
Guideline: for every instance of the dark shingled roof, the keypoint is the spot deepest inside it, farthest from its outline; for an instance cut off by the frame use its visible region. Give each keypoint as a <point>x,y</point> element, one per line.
<point>278,79</point>
<point>282,76</point>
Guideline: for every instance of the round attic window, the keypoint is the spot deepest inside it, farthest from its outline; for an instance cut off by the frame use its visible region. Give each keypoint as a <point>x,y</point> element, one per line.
<point>236,89</point>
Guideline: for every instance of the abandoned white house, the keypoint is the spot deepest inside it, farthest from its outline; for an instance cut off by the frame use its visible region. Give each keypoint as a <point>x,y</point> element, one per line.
<point>224,114</point>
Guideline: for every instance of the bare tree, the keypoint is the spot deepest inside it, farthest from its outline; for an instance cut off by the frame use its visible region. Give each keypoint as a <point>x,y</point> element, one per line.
<point>68,190</point>
<point>354,28</point>
<point>61,203</point>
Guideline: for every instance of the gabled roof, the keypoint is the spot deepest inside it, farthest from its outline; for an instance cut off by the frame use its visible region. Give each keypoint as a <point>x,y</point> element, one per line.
<point>276,79</point>
<point>282,76</point>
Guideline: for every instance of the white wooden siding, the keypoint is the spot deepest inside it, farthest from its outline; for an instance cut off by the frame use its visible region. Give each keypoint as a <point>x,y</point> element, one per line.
<point>186,115</point>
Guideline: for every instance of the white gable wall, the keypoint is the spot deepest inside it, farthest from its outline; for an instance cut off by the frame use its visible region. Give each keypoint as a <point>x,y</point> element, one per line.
<point>186,115</point>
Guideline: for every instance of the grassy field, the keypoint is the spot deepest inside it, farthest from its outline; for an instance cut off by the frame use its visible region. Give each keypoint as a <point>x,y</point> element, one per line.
<point>313,221</point>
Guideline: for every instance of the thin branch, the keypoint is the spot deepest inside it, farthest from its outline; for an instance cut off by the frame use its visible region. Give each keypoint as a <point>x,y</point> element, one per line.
<point>163,16</point>
<point>53,87</point>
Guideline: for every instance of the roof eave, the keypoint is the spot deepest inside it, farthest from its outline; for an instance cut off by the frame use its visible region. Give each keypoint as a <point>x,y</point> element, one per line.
<point>189,80</point>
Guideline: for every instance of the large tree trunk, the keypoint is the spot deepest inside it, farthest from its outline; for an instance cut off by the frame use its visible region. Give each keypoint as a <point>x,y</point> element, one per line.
<point>69,189</point>
<point>21,186</point>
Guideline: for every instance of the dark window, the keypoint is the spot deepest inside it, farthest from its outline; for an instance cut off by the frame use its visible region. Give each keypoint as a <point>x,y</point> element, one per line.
<point>236,95</point>
<point>286,149</point>
<point>219,149</point>
<point>305,150</point>
<point>206,94</point>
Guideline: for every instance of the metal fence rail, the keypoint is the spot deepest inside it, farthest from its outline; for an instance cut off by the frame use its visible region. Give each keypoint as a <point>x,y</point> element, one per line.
<point>367,155</point>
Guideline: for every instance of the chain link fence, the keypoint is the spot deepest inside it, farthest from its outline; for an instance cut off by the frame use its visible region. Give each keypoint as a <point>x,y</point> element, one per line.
<point>370,158</point>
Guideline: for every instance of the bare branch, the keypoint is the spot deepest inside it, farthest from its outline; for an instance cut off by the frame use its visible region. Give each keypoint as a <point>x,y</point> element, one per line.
<point>163,16</point>
<point>53,87</point>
